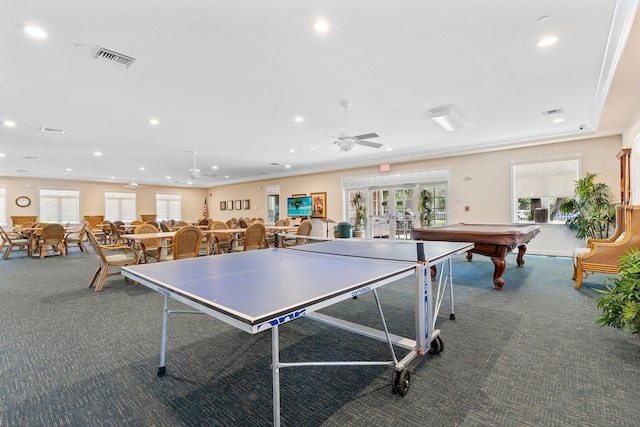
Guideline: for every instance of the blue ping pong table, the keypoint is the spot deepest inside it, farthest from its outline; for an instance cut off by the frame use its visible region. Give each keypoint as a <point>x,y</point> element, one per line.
<point>260,290</point>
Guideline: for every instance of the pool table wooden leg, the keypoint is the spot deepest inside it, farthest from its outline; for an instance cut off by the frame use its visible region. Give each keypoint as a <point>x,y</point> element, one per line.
<point>499,266</point>
<point>522,249</point>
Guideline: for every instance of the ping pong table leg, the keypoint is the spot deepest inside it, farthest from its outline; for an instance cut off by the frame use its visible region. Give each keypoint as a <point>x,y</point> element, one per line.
<point>162,370</point>
<point>452,316</point>
<point>275,369</point>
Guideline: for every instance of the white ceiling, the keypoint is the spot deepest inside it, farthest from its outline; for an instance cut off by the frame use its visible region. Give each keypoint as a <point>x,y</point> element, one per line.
<point>226,78</point>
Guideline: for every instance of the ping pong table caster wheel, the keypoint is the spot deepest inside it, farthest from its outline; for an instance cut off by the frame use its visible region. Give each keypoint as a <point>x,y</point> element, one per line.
<point>437,345</point>
<point>400,382</point>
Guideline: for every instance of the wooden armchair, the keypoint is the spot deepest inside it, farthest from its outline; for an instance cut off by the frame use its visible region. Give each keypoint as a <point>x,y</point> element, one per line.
<point>602,255</point>
<point>14,240</point>
<point>52,237</point>
<point>304,229</point>
<point>253,239</point>
<point>78,237</point>
<point>186,244</point>
<point>152,247</point>
<point>222,242</point>
<point>110,256</point>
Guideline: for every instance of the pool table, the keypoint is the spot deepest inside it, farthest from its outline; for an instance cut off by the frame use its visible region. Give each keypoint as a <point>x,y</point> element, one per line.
<point>492,240</point>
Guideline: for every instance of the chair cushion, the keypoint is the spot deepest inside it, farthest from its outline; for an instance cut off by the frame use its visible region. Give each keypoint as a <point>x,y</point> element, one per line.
<point>579,251</point>
<point>119,258</point>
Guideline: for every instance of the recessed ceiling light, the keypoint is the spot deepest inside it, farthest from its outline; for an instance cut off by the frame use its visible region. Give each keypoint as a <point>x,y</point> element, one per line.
<point>321,25</point>
<point>2,155</point>
<point>9,123</point>
<point>168,177</point>
<point>189,182</point>
<point>558,120</point>
<point>112,177</point>
<point>226,176</point>
<point>389,148</point>
<point>141,168</point>
<point>35,32</point>
<point>299,119</point>
<point>97,154</point>
<point>287,166</point>
<point>547,41</point>
<point>291,150</point>
<point>154,121</point>
<point>69,169</point>
<point>214,167</point>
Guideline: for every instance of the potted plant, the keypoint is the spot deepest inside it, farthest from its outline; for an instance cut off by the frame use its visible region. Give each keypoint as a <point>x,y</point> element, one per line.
<point>425,208</point>
<point>620,303</point>
<point>336,231</point>
<point>360,217</point>
<point>592,213</point>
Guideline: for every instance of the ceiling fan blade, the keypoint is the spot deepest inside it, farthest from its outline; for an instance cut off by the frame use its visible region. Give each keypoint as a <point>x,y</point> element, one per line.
<point>369,144</point>
<point>367,136</point>
<point>322,146</point>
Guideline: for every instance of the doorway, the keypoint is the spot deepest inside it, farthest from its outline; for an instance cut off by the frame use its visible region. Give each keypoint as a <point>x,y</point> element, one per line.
<point>273,208</point>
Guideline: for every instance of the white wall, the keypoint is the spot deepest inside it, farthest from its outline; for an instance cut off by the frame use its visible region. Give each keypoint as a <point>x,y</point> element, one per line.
<point>92,196</point>
<point>488,193</point>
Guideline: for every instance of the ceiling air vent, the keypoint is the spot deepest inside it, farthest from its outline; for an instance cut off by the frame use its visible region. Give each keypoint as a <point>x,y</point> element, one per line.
<point>552,112</point>
<point>52,130</point>
<point>113,57</point>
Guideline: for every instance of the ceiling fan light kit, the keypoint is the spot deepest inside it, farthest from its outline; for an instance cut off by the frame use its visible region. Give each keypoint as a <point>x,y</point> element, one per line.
<point>449,118</point>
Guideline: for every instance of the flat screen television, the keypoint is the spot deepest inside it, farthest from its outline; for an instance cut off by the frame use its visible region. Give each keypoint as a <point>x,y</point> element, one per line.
<point>299,206</point>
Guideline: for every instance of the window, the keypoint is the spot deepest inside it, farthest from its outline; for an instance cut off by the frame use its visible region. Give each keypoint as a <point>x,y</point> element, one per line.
<point>119,206</point>
<point>539,187</point>
<point>60,206</point>
<point>439,202</point>
<point>168,206</point>
<point>3,206</point>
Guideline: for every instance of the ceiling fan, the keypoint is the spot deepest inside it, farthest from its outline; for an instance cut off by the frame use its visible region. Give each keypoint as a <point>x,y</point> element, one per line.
<point>194,172</point>
<point>133,185</point>
<point>345,141</point>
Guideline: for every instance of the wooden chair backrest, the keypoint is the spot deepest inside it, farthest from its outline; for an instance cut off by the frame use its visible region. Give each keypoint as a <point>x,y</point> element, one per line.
<point>148,229</point>
<point>254,236</point>
<point>186,242</point>
<point>52,234</point>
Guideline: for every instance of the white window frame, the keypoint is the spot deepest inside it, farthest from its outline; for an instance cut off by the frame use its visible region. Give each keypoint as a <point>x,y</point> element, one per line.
<point>538,179</point>
<point>65,195</point>
<point>122,198</point>
<point>167,204</point>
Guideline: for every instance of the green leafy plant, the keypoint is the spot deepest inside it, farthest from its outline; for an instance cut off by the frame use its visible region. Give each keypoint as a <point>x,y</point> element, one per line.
<point>620,303</point>
<point>360,217</point>
<point>425,208</point>
<point>593,214</point>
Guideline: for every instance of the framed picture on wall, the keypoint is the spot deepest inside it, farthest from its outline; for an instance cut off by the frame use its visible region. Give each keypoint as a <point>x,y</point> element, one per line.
<point>238,205</point>
<point>229,205</point>
<point>318,205</point>
<point>299,195</point>
<point>245,204</point>
<point>223,205</point>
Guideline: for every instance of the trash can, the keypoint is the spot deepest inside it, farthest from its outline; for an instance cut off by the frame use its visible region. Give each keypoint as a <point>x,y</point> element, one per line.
<point>345,230</point>
<point>541,215</point>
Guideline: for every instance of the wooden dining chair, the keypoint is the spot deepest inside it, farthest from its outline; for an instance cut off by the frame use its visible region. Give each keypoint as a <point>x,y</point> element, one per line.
<point>252,239</point>
<point>52,238</point>
<point>110,256</point>
<point>186,244</point>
